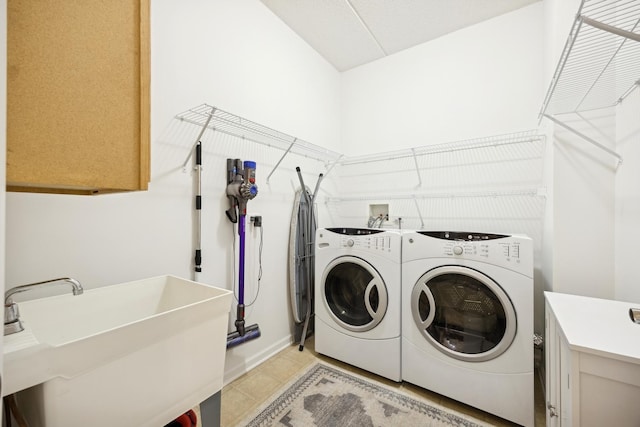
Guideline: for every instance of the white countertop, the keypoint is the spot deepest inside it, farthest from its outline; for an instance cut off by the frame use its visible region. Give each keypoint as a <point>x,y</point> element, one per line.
<point>597,326</point>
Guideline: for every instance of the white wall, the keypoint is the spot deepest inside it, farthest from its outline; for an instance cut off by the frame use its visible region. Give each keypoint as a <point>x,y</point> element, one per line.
<point>584,208</point>
<point>479,81</point>
<point>238,57</point>
<point>627,224</point>
<point>243,59</point>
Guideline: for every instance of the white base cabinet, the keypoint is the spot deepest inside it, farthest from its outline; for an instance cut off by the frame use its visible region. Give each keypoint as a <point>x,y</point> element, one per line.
<point>592,356</point>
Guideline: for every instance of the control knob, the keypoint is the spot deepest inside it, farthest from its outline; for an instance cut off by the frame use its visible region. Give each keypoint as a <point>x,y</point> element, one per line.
<point>458,250</point>
<point>350,243</point>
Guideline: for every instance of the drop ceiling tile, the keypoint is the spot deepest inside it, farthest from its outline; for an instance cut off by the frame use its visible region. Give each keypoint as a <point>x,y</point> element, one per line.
<point>331,28</point>
<point>400,24</point>
<point>348,33</point>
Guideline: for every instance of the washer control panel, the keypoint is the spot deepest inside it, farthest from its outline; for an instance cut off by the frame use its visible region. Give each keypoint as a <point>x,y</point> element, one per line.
<point>376,243</point>
<point>356,231</point>
<point>383,242</point>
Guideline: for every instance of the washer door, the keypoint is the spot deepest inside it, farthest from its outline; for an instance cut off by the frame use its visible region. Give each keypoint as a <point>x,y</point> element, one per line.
<point>463,313</point>
<point>354,293</point>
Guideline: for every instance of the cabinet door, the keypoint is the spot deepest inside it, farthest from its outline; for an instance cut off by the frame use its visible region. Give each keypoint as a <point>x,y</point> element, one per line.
<point>77,95</point>
<point>568,379</point>
<point>552,369</point>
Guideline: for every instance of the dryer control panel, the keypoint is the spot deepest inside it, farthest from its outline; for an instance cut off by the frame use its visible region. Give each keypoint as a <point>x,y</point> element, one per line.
<point>509,251</point>
<point>462,236</point>
<point>513,252</point>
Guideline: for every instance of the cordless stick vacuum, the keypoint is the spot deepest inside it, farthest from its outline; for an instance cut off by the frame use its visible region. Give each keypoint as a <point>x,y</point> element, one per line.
<point>241,187</point>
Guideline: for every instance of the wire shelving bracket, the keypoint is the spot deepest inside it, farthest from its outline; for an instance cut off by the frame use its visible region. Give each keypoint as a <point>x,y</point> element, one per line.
<point>600,64</point>
<point>415,161</point>
<point>419,213</point>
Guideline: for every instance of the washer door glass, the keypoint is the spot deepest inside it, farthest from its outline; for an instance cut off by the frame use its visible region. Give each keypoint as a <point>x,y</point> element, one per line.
<point>354,294</point>
<point>463,313</point>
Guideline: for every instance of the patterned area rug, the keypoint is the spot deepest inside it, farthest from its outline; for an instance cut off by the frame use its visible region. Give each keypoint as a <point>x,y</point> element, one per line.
<point>327,397</point>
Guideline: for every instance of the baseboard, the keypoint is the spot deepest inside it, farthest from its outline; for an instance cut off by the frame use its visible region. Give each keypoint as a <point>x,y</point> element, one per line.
<point>232,373</point>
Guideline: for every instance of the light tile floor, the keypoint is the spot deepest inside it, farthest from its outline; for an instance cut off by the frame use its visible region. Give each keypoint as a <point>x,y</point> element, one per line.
<point>244,395</point>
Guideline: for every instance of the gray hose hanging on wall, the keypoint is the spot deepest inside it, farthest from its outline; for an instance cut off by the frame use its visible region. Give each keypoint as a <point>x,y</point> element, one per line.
<point>297,266</point>
<point>302,260</point>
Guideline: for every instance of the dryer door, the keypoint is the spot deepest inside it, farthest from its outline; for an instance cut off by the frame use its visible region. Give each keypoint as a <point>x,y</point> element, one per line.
<point>463,313</point>
<point>354,293</point>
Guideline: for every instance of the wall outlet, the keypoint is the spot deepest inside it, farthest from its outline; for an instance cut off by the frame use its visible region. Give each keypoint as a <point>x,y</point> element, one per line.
<point>256,220</point>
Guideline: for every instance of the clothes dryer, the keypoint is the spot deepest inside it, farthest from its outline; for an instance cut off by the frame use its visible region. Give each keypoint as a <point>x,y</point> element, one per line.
<point>467,319</point>
<point>357,298</point>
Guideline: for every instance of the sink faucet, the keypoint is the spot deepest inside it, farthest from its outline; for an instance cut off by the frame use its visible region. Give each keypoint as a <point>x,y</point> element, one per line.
<point>12,323</point>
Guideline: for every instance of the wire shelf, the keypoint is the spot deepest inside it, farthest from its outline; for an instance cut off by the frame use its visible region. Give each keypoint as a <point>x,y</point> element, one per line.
<point>448,147</point>
<point>222,121</point>
<point>206,116</point>
<point>600,63</point>
<point>526,192</point>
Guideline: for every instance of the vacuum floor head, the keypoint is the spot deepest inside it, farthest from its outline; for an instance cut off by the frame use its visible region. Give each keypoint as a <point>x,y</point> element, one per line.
<point>250,333</point>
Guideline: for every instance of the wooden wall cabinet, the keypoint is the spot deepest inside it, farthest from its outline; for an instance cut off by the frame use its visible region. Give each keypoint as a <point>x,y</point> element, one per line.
<point>78,75</point>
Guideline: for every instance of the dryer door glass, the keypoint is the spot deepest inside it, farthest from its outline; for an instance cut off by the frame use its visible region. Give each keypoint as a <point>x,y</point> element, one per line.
<point>463,313</point>
<point>354,294</point>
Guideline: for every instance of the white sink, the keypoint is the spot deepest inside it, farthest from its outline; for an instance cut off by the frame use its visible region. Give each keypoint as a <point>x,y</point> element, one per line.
<point>138,353</point>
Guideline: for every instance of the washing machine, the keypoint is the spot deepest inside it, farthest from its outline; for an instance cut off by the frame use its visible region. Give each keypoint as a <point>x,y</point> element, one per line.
<point>357,298</point>
<point>467,319</point>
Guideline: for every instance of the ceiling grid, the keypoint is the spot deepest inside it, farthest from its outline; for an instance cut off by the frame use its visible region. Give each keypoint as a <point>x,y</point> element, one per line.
<point>349,33</point>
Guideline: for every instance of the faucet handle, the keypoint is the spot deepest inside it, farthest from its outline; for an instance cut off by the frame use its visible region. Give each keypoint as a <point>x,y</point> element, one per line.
<point>11,312</point>
<point>12,323</point>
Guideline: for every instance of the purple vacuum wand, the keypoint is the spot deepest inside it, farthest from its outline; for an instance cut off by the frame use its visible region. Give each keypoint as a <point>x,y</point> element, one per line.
<point>240,189</point>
